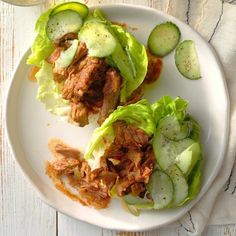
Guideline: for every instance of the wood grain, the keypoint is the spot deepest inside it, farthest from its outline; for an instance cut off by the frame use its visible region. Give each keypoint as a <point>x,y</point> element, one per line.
<point>21,211</point>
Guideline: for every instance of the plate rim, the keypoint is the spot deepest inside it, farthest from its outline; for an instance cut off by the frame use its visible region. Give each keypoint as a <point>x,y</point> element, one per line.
<point>9,86</point>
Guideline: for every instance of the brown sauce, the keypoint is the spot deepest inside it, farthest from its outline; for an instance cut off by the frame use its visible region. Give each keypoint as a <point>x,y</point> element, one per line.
<point>57,181</point>
<point>122,24</point>
<point>155,65</point>
<point>125,26</point>
<point>32,74</point>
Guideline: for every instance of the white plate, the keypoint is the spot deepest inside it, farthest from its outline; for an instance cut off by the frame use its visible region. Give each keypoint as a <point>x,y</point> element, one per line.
<point>30,127</point>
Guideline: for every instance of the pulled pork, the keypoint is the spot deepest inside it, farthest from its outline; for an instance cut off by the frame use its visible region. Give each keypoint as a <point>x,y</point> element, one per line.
<point>88,83</point>
<point>91,188</point>
<point>125,167</point>
<point>111,93</point>
<point>134,158</point>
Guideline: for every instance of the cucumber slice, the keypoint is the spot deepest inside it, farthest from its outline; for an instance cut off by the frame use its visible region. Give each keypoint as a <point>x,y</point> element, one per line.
<point>161,189</point>
<point>180,185</point>
<point>133,210</point>
<point>62,23</point>
<point>187,159</point>
<point>172,129</point>
<point>182,145</point>
<point>99,41</point>
<point>138,202</point>
<point>67,56</point>
<point>74,6</point>
<point>194,182</point>
<point>164,151</point>
<point>164,38</point>
<point>186,60</point>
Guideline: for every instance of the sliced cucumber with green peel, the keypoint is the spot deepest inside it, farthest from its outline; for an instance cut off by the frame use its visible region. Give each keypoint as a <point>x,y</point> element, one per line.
<point>186,60</point>
<point>63,22</point>
<point>172,129</point>
<point>67,56</point>
<point>80,8</point>
<point>164,38</point>
<point>164,151</point>
<point>182,145</point>
<point>99,41</point>
<point>180,185</point>
<point>133,210</point>
<point>188,158</point>
<point>138,202</point>
<point>194,182</point>
<point>161,189</point>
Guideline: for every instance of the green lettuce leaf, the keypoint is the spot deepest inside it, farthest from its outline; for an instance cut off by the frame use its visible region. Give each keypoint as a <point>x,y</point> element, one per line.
<point>42,46</point>
<point>134,68</point>
<point>49,91</point>
<point>170,106</point>
<point>138,114</point>
<point>129,57</point>
<point>196,129</point>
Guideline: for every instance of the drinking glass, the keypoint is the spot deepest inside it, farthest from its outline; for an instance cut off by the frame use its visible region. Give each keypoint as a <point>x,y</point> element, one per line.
<point>24,2</point>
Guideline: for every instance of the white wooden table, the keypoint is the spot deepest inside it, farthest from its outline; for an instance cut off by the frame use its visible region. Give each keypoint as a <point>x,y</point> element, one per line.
<point>22,213</point>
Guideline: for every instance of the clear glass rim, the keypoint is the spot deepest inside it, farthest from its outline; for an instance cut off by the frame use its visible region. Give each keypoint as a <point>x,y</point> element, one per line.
<point>23,4</point>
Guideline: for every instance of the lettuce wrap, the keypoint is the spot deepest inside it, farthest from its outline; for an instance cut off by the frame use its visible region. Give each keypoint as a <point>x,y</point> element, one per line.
<point>138,115</point>
<point>129,56</point>
<point>174,183</point>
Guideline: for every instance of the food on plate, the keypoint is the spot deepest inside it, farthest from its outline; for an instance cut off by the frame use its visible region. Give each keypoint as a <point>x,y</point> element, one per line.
<point>149,156</point>
<point>87,64</point>
<point>119,158</point>
<point>186,60</point>
<point>164,38</point>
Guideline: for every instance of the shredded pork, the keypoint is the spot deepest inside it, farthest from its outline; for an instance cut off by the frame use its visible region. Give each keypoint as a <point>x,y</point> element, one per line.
<point>134,156</point>
<point>125,168</point>
<point>88,83</point>
<point>111,93</point>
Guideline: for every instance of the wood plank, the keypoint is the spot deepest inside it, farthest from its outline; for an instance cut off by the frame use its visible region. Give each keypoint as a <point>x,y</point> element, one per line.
<point>73,227</point>
<point>22,212</point>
